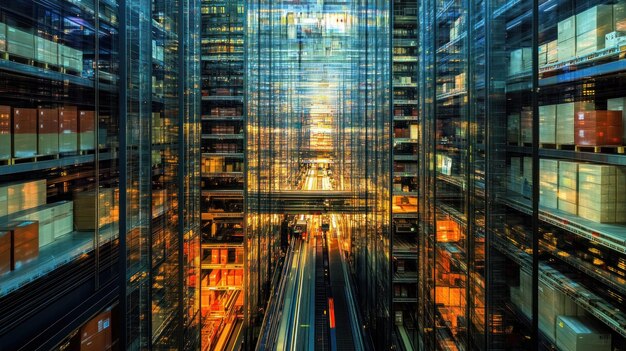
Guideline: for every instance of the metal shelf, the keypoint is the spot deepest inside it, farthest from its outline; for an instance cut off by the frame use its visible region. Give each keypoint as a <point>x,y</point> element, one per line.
<point>62,161</point>
<point>613,159</point>
<point>611,236</point>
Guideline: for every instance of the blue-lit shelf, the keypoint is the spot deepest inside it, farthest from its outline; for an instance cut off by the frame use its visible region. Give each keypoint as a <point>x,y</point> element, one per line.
<point>222,136</point>
<point>62,161</point>
<point>612,236</point>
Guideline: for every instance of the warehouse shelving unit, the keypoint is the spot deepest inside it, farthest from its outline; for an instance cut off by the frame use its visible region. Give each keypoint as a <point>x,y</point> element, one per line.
<point>223,154</point>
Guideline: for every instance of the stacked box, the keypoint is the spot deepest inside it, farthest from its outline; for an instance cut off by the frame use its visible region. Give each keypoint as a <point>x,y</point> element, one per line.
<point>231,277</point>
<point>553,303</point>
<point>5,251</point>
<point>547,124</point>
<point>548,182</point>
<point>24,132</point>
<point>68,129</point>
<point>5,132</point>
<point>97,335</point>
<point>55,220</point>
<point>215,277</point>
<point>224,256</point>
<point>85,209</point>
<point>619,16</point>
<point>620,197</point>
<point>459,81</point>
<point>158,132</point>
<point>48,131</point>
<point>215,256</point>
<point>25,241</point>
<point>618,104</point>
<point>239,277</point>
<point>598,128</point>
<point>20,43</point>
<point>25,195</point>
<point>592,26</point>
<point>86,130</point>
<point>526,125</point>
<point>414,131</point>
<point>568,187</point>
<point>3,37</point>
<point>46,51</point>
<point>70,58</point>
<point>513,128</point>
<point>521,61</point>
<point>552,55</point>
<point>566,39</point>
<point>598,188</point>
<point>581,334</point>
<point>565,115</point>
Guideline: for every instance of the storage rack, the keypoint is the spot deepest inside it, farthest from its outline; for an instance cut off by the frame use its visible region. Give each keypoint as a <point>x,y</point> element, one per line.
<point>223,146</point>
<point>404,191</point>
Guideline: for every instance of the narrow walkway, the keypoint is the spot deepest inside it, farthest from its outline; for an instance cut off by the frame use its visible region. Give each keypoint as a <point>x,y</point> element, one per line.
<point>343,328</point>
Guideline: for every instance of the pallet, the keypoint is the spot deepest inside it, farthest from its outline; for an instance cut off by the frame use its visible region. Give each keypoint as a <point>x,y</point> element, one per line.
<point>606,149</point>
<point>554,146</point>
<point>37,158</point>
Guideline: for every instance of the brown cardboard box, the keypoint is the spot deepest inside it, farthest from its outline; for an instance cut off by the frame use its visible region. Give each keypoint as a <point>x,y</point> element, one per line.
<point>25,241</point>
<point>565,115</point>
<point>224,256</point>
<point>85,209</point>
<point>86,130</point>
<point>68,129</point>
<point>215,256</point>
<point>48,131</point>
<point>96,335</point>
<point>5,132</point>
<point>5,252</point>
<point>25,132</point>
<point>215,277</point>
<point>598,128</point>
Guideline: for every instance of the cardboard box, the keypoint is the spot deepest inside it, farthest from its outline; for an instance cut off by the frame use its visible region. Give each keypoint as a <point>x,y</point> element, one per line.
<point>590,42</point>
<point>85,209</point>
<point>68,129</point>
<point>566,29</point>
<point>25,241</point>
<point>619,17</point>
<point>547,124</point>
<point>48,131</point>
<point>553,51</point>
<point>580,334</point>
<point>597,18</point>
<point>5,252</point>
<point>566,49</point>
<point>55,220</point>
<point>46,51</point>
<point>618,104</point>
<point>96,335</point>
<point>565,115</point>
<point>20,43</point>
<point>71,58</point>
<point>598,128</point>
<point>24,195</point>
<point>215,256</point>
<point>551,304</point>
<point>86,130</point>
<point>215,277</point>
<point>24,132</point>
<point>5,133</point>
<point>224,256</point>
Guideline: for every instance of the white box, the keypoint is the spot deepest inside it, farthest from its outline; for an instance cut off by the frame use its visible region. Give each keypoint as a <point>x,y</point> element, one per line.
<point>580,334</point>
<point>46,51</point>
<point>520,60</point>
<point>567,29</point>
<point>598,18</point>
<point>619,16</point>
<point>20,43</point>
<point>566,49</point>
<point>590,42</point>
<point>547,124</point>
<point>565,120</point>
